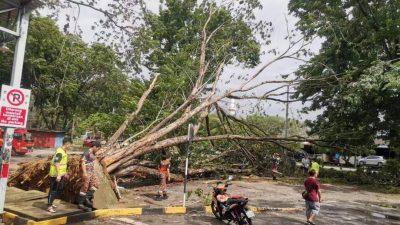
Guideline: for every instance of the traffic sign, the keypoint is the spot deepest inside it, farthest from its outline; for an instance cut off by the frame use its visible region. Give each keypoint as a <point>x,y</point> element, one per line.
<point>15,97</point>
<point>14,105</point>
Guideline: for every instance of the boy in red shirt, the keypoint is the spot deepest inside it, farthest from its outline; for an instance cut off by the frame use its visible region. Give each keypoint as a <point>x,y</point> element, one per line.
<point>313,197</point>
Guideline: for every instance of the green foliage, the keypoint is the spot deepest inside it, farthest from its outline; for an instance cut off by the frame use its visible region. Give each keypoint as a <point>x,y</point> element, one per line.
<point>71,80</point>
<point>254,125</point>
<point>206,198</point>
<point>169,43</point>
<point>354,78</point>
<point>106,123</point>
<point>388,176</point>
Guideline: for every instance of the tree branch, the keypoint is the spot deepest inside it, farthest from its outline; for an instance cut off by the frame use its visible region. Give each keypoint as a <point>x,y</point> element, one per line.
<point>110,16</point>
<point>132,116</point>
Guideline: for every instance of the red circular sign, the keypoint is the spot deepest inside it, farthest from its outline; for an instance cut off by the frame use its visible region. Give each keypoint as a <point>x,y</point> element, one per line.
<point>15,97</point>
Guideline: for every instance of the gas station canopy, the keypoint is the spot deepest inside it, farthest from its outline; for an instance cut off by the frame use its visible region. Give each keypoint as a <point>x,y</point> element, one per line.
<point>10,4</point>
<point>14,22</point>
<point>10,10</point>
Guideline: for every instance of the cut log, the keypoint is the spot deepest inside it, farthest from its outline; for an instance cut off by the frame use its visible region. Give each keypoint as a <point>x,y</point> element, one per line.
<point>33,175</point>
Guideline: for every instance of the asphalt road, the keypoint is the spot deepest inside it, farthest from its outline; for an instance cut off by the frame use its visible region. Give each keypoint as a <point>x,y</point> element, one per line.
<point>332,213</point>
<point>273,218</point>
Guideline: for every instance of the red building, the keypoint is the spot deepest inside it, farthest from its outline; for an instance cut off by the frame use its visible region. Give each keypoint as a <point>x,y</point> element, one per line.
<point>47,138</point>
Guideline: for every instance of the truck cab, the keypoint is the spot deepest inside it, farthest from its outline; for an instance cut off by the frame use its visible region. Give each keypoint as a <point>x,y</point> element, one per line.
<point>22,142</point>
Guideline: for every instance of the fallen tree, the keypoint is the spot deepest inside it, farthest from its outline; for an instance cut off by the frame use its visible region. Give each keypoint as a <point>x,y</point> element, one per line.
<point>217,49</point>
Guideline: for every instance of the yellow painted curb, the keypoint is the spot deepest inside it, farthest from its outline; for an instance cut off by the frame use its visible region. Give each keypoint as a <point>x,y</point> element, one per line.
<point>61,220</point>
<point>8,218</point>
<point>207,209</point>
<point>290,209</point>
<point>118,212</point>
<point>9,215</point>
<point>254,209</point>
<point>175,210</point>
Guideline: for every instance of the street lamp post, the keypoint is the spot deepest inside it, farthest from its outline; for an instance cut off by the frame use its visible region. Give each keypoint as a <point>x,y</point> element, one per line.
<point>190,136</point>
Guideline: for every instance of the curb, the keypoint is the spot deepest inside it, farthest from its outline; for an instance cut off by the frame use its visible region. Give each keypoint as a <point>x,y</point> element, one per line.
<point>11,218</point>
<point>389,216</point>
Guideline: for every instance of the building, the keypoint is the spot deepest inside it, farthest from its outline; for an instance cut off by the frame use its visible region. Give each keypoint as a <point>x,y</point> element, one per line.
<point>47,138</point>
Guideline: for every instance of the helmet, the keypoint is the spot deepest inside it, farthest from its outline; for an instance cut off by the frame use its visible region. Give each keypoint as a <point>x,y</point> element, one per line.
<point>221,186</point>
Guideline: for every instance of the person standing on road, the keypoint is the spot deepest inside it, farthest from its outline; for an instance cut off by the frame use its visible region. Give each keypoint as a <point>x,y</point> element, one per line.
<point>312,197</point>
<point>164,176</point>
<point>292,165</point>
<point>58,173</point>
<point>337,160</point>
<point>90,182</point>
<point>305,164</point>
<point>315,166</point>
<point>276,158</point>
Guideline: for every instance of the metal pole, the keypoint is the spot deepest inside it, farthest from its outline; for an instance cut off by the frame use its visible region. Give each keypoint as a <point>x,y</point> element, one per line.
<point>186,174</point>
<point>287,112</point>
<point>22,28</point>
<point>190,135</point>
<point>20,49</point>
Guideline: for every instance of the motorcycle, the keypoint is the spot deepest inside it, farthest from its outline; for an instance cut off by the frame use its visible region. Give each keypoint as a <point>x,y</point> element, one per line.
<point>234,209</point>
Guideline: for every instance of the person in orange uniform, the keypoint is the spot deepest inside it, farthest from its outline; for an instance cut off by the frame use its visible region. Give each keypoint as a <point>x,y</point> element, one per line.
<point>164,176</point>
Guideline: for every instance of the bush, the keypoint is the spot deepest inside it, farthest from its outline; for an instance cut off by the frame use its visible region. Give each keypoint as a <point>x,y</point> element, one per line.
<point>389,175</point>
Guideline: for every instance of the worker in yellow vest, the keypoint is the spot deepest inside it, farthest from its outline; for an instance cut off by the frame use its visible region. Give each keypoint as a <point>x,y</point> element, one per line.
<point>58,171</point>
<point>315,166</point>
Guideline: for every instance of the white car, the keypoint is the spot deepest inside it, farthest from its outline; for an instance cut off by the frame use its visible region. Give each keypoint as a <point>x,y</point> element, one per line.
<point>372,160</point>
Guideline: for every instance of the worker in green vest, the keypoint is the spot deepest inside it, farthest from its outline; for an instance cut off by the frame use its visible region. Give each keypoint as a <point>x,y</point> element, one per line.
<point>315,166</point>
<point>58,172</point>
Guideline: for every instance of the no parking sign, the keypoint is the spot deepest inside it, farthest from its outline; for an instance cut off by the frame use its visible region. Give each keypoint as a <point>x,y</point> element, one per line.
<point>14,105</point>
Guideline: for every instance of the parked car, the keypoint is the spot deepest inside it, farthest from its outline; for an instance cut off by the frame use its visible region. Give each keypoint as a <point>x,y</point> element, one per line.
<point>372,160</point>
<point>298,155</point>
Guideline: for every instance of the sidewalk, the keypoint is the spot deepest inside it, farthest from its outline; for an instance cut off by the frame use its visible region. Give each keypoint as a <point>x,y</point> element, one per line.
<point>11,218</point>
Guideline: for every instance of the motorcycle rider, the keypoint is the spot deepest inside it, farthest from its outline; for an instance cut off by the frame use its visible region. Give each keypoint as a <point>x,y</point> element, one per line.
<point>223,197</point>
<point>231,208</point>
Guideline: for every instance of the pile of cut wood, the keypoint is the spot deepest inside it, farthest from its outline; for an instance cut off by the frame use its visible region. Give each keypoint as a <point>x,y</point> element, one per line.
<point>33,175</point>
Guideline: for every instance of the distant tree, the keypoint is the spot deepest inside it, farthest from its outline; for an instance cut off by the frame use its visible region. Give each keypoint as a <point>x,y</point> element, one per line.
<point>69,79</point>
<point>354,79</point>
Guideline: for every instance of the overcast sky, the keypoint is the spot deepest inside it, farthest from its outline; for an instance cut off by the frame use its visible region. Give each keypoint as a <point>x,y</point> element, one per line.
<point>273,10</point>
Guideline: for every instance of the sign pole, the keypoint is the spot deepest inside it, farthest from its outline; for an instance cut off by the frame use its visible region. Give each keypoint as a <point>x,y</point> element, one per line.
<point>190,138</point>
<point>22,29</point>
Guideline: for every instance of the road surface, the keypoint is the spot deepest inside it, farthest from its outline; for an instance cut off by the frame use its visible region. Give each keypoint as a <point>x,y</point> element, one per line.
<point>329,216</point>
